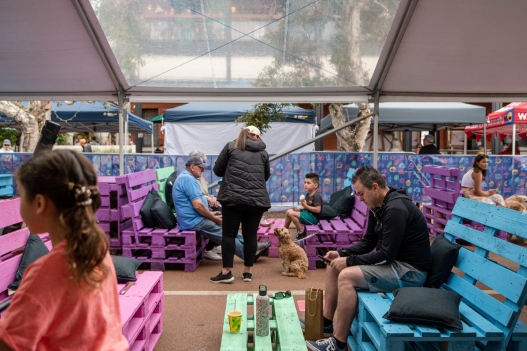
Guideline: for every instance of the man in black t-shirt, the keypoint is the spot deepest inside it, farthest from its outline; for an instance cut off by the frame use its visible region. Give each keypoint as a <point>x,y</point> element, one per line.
<point>430,148</point>
<point>394,253</point>
<point>309,213</point>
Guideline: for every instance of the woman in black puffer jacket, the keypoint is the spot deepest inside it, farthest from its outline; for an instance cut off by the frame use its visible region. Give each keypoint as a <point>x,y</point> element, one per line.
<point>244,166</point>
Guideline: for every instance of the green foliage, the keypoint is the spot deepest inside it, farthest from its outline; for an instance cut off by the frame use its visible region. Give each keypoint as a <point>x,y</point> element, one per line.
<point>63,139</point>
<point>9,133</point>
<point>262,115</point>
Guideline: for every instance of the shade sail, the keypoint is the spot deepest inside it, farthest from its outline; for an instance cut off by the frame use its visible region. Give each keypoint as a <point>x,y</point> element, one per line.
<point>501,121</point>
<point>417,115</point>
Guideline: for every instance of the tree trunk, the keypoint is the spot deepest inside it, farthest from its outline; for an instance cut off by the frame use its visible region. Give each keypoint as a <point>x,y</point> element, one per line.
<point>352,138</point>
<point>28,123</point>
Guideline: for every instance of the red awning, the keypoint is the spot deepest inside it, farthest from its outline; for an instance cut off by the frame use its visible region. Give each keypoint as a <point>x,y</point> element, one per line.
<point>501,122</point>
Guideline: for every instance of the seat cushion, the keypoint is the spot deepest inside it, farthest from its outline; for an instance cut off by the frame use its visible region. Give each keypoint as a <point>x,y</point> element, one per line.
<point>444,256</point>
<point>344,204</point>
<point>145,211</point>
<point>33,250</point>
<point>425,306</point>
<point>163,215</point>
<point>125,268</point>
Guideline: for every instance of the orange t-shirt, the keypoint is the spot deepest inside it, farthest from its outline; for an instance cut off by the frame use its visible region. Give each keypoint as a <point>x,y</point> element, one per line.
<point>49,312</point>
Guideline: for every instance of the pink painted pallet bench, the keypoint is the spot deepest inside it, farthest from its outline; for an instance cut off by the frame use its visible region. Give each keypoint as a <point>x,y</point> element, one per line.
<point>336,233</point>
<point>142,309</point>
<point>267,234</point>
<point>12,244</point>
<point>151,245</point>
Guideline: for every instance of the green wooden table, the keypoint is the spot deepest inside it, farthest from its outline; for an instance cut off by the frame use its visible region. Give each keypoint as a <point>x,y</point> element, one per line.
<point>285,332</point>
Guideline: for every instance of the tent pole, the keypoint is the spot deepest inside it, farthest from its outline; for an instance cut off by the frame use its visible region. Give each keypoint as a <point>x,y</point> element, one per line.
<point>514,139</point>
<point>465,145</point>
<point>120,98</point>
<point>485,137</point>
<point>375,129</point>
<point>152,139</point>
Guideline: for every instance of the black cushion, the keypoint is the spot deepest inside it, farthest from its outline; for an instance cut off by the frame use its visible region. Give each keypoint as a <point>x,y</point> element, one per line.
<point>163,215</point>
<point>338,194</point>
<point>425,306</point>
<point>344,204</point>
<point>33,250</point>
<point>327,211</point>
<point>125,268</point>
<point>444,256</point>
<point>145,211</point>
<point>169,185</point>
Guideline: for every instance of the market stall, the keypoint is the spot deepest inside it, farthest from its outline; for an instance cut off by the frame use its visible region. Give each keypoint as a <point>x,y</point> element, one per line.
<point>510,120</point>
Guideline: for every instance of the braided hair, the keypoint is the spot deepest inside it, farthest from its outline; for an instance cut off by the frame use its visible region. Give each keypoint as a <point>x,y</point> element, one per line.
<point>68,180</point>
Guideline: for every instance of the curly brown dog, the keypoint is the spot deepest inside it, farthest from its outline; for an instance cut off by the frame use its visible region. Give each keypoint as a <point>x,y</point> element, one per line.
<point>294,258</point>
<point>516,203</point>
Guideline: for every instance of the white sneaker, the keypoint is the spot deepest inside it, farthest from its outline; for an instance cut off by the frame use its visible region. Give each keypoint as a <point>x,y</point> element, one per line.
<point>211,255</point>
<point>217,249</point>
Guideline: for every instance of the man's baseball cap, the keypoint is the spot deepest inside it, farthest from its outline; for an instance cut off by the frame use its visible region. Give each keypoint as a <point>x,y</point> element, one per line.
<point>253,130</point>
<point>196,161</point>
<point>7,142</point>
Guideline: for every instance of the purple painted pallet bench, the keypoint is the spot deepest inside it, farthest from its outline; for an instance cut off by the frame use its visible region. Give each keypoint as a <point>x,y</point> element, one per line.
<point>266,233</point>
<point>170,252</point>
<point>336,233</point>
<point>155,242</point>
<point>113,196</point>
<point>142,310</point>
<point>444,190</point>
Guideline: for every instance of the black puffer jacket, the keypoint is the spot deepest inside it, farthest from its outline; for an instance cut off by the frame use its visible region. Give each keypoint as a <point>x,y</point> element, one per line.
<point>244,175</point>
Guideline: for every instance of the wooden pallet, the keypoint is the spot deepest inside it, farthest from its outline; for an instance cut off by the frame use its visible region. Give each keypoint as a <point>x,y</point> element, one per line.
<point>487,321</point>
<point>285,332</point>
<point>266,233</point>
<point>162,175</point>
<point>336,233</point>
<point>147,244</point>
<point>142,310</point>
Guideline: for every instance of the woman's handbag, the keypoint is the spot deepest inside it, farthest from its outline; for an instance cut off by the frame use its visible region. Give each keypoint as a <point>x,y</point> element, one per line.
<point>314,318</point>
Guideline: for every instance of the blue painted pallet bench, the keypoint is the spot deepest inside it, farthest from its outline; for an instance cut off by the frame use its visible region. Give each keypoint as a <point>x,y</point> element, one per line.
<point>489,323</point>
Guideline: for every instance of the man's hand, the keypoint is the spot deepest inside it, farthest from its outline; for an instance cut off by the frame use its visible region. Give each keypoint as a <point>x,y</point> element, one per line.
<point>339,263</point>
<point>295,208</point>
<point>218,220</point>
<point>212,200</point>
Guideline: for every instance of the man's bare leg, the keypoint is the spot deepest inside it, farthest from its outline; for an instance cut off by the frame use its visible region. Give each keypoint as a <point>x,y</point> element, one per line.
<point>331,292</point>
<point>349,280</point>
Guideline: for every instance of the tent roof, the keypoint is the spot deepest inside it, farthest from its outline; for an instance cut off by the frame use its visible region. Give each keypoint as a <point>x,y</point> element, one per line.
<point>95,117</point>
<point>417,115</point>
<point>88,117</point>
<point>199,112</point>
<point>446,50</point>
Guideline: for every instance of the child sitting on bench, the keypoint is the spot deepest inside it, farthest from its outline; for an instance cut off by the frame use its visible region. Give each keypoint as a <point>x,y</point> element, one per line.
<point>311,207</point>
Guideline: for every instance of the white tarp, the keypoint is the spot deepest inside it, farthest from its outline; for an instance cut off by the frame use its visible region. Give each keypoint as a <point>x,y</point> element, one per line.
<point>210,138</point>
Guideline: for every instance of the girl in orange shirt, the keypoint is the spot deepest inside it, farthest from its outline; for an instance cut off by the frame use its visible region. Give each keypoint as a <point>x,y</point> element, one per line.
<point>67,299</point>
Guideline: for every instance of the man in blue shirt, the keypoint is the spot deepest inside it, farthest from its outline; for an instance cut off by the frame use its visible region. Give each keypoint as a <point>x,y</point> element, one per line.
<point>192,209</point>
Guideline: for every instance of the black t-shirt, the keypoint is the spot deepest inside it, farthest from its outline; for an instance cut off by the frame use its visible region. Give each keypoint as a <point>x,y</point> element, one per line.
<point>314,200</point>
